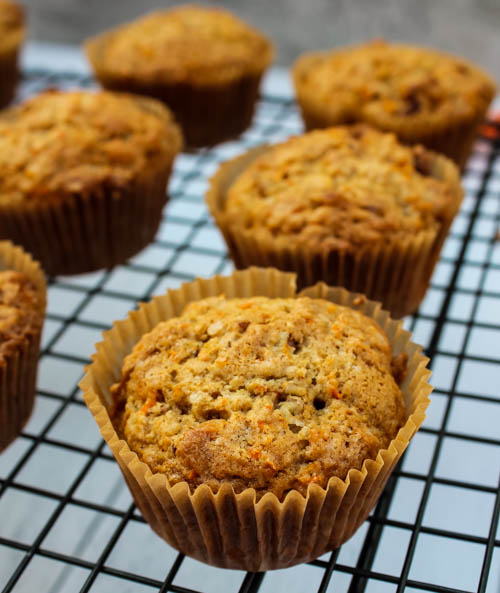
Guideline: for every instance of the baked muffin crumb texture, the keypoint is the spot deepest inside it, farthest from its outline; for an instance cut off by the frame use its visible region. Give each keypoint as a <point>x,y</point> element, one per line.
<point>342,188</point>
<point>402,81</point>
<point>273,394</point>
<point>19,310</point>
<point>188,44</point>
<point>67,142</point>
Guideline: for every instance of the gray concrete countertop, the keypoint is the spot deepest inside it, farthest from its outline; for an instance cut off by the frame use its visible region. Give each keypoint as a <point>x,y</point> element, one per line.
<point>466,27</point>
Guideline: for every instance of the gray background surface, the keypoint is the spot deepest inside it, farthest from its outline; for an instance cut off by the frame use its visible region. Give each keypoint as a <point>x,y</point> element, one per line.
<point>467,27</point>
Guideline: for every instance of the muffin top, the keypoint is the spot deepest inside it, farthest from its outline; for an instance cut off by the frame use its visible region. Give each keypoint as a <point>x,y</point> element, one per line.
<point>60,143</point>
<point>399,81</point>
<point>186,44</point>
<point>20,307</point>
<point>11,25</point>
<point>342,188</point>
<point>272,394</point>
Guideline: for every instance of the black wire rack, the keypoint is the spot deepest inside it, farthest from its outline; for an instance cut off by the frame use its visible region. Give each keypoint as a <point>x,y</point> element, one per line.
<point>67,522</point>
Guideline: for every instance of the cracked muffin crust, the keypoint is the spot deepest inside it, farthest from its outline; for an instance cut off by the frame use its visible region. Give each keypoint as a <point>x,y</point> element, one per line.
<point>61,143</point>
<point>272,394</point>
<point>341,188</point>
<point>415,92</point>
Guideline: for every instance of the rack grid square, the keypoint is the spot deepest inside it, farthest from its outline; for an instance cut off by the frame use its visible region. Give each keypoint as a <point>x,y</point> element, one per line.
<point>67,519</point>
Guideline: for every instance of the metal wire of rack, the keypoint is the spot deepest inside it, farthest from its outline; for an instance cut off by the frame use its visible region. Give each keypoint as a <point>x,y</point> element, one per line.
<point>67,522</point>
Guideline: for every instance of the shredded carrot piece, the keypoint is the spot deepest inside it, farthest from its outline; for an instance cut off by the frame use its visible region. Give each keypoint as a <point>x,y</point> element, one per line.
<point>149,404</point>
<point>286,350</point>
<point>245,305</point>
<point>335,393</point>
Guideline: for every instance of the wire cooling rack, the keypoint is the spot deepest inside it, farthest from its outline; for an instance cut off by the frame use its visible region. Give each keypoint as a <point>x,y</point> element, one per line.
<point>67,522</point>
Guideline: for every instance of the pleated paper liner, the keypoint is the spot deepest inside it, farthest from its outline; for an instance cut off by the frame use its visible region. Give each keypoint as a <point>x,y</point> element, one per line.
<point>19,367</point>
<point>92,229</point>
<point>397,274</point>
<point>453,137</point>
<point>233,530</point>
<point>207,113</point>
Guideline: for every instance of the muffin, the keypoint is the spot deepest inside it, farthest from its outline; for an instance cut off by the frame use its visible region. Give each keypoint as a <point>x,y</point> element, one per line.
<point>11,37</point>
<point>83,176</point>
<point>204,63</point>
<point>256,428</point>
<point>22,310</point>
<point>259,393</point>
<point>347,205</point>
<point>424,96</point>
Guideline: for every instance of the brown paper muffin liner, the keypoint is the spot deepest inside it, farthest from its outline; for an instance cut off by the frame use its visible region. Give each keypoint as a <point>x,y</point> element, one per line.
<point>208,114</point>
<point>19,367</point>
<point>9,75</point>
<point>450,137</point>
<point>89,230</point>
<point>395,274</point>
<point>233,530</point>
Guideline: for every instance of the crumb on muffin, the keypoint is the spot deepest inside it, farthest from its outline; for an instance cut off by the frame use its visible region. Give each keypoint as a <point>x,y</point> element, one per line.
<point>273,394</point>
<point>19,310</point>
<point>341,188</point>
<point>60,143</point>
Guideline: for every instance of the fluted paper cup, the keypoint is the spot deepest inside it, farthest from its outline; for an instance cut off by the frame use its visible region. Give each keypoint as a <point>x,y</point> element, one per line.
<point>238,531</point>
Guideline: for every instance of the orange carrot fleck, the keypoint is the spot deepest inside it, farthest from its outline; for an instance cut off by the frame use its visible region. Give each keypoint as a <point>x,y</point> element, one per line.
<point>149,404</point>
<point>246,305</point>
<point>335,393</point>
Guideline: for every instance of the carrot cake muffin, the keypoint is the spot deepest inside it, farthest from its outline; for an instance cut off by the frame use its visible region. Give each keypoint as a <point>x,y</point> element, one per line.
<point>271,394</point>
<point>83,176</point>
<point>347,205</point>
<point>423,96</point>
<point>203,62</point>
<point>256,426</point>
<point>11,37</point>
<point>22,306</point>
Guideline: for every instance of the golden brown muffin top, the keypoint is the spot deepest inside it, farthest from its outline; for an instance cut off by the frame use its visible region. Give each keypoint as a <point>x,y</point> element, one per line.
<point>63,143</point>
<point>187,44</point>
<point>11,25</point>
<point>343,187</point>
<point>19,310</point>
<point>272,394</point>
<point>402,81</point>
